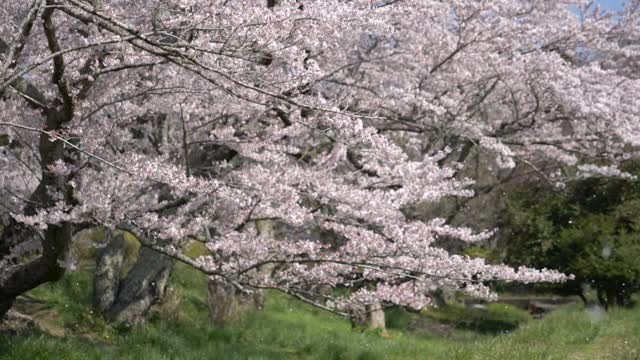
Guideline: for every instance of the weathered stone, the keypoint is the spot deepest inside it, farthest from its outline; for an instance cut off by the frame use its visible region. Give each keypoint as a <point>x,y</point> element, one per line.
<point>143,287</point>
<point>14,322</point>
<point>128,298</point>
<point>106,279</point>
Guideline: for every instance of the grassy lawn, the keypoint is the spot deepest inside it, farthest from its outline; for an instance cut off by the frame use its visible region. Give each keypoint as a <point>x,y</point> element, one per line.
<point>287,329</point>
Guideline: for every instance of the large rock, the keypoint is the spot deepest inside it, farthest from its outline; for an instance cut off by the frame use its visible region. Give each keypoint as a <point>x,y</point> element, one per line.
<point>128,296</point>
<point>16,323</point>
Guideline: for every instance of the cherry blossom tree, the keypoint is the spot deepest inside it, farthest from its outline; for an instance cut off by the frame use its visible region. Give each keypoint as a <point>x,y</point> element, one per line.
<point>328,115</point>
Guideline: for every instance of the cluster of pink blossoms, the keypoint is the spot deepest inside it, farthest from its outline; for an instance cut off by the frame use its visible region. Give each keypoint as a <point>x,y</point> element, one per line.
<point>193,119</point>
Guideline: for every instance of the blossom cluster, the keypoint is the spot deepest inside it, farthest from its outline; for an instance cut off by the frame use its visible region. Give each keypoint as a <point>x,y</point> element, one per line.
<point>198,119</point>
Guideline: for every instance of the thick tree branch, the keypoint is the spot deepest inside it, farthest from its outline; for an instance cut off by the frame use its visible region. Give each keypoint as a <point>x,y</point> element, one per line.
<point>57,77</point>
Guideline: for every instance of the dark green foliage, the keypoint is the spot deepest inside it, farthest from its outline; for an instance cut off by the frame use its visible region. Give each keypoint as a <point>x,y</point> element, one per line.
<point>591,230</point>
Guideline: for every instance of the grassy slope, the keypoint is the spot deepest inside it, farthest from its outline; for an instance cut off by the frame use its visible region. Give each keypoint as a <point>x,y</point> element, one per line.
<point>289,330</point>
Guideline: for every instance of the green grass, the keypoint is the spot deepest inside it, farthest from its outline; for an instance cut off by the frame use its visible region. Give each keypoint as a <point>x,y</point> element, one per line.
<point>568,333</point>
<point>286,329</point>
<point>490,318</point>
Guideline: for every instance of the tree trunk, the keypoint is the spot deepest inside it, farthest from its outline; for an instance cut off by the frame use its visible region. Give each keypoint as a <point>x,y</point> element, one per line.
<point>612,298</point>
<point>583,297</point>
<point>10,237</point>
<point>439,297</point>
<point>601,297</point>
<point>369,317</point>
<point>18,279</point>
<point>129,299</point>
<point>376,317</point>
<point>622,299</point>
<point>227,304</point>
<point>56,240</point>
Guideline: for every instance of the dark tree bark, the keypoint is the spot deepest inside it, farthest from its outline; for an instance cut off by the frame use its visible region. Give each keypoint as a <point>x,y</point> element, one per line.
<point>583,297</point>
<point>56,240</point>
<point>612,298</point>
<point>49,266</point>
<point>601,297</point>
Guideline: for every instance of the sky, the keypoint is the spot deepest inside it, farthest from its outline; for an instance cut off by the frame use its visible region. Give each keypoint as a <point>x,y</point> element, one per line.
<point>611,4</point>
